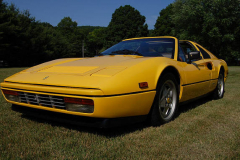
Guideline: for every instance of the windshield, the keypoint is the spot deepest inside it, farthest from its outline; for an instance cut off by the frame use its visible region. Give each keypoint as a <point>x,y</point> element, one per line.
<point>149,47</point>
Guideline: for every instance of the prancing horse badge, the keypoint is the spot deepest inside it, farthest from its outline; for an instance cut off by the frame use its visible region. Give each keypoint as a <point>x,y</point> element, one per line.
<point>45,77</point>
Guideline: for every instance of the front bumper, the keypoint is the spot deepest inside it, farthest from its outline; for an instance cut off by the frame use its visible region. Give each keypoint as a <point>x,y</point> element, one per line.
<point>110,106</point>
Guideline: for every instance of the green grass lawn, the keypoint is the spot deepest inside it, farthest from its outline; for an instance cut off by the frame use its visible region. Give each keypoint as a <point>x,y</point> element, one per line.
<point>205,129</point>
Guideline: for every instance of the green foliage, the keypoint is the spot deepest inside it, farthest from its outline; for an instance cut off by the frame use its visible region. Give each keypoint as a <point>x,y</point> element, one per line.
<point>71,36</point>
<point>16,34</point>
<point>24,41</point>
<point>67,24</point>
<point>89,28</point>
<point>126,22</point>
<point>214,24</point>
<point>164,24</point>
<point>96,40</point>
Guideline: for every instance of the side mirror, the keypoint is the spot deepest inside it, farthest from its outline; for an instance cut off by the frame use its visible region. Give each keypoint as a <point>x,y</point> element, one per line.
<point>194,56</point>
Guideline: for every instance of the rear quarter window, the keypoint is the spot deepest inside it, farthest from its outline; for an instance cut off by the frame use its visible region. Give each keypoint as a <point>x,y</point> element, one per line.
<point>204,53</point>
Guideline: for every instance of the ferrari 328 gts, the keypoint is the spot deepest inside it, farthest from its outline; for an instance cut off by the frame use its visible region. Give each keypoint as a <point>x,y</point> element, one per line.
<point>134,80</point>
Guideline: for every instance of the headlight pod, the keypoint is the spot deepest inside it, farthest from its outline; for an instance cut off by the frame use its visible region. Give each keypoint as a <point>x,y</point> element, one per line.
<point>11,95</point>
<point>79,105</point>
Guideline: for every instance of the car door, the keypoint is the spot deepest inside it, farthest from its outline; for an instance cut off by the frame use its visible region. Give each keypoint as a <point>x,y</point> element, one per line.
<point>196,74</point>
<point>210,65</point>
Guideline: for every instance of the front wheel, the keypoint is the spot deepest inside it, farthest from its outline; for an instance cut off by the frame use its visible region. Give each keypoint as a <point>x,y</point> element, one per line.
<point>166,100</point>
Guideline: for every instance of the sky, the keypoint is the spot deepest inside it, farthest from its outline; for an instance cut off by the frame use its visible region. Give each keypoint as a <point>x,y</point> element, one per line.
<point>88,12</point>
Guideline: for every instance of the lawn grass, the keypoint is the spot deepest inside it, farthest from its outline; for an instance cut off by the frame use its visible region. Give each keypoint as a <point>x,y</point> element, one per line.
<point>205,129</point>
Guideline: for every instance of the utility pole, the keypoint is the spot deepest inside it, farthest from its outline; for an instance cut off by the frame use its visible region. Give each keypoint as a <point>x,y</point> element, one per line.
<point>83,48</point>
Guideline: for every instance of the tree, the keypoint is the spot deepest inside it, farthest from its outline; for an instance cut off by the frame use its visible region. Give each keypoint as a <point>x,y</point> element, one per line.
<point>126,22</point>
<point>15,29</point>
<point>96,40</point>
<point>3,27</point>
<point>164,24</point>
<point>215,24</point>
<point>25,41</point>
<point>71,37</point>
<point>66,25</point>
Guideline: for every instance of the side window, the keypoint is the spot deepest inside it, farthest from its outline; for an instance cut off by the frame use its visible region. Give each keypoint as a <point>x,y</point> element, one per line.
<point>181,55</point>
<point>204,53</point>
<point>186,47</point>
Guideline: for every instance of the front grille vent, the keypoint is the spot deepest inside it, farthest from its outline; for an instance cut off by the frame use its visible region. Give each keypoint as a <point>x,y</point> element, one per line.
<point>42,100</point>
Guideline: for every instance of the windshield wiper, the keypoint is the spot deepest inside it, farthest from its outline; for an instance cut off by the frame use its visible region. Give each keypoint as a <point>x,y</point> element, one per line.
<point>125,52</point>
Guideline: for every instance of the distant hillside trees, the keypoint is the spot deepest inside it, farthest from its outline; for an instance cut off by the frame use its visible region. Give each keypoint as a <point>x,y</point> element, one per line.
<point>23,40</point>
<point>26,42</point>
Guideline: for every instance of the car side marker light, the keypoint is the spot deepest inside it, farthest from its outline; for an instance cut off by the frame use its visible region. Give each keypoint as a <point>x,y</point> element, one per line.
<point>143,85</point>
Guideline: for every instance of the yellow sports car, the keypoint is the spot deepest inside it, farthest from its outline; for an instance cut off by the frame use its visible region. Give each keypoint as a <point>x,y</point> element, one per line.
<point>127,83</point>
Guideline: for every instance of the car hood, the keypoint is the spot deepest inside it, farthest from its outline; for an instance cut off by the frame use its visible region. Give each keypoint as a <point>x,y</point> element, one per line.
<point>77,72</point>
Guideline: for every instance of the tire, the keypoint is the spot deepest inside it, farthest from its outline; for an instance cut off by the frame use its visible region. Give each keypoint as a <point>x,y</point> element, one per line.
<point>165,104</point>
<point>219,90</point>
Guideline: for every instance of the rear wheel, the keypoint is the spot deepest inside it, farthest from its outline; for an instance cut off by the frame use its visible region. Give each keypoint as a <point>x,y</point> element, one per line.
<point>166,100</point>
<point>219,90</point>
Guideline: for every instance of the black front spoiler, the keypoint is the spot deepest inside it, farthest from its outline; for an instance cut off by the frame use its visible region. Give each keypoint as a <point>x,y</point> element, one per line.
<point>79,120</point>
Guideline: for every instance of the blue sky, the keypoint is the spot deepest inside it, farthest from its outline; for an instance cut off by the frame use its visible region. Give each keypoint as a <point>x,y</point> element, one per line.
<point>88,12</point>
